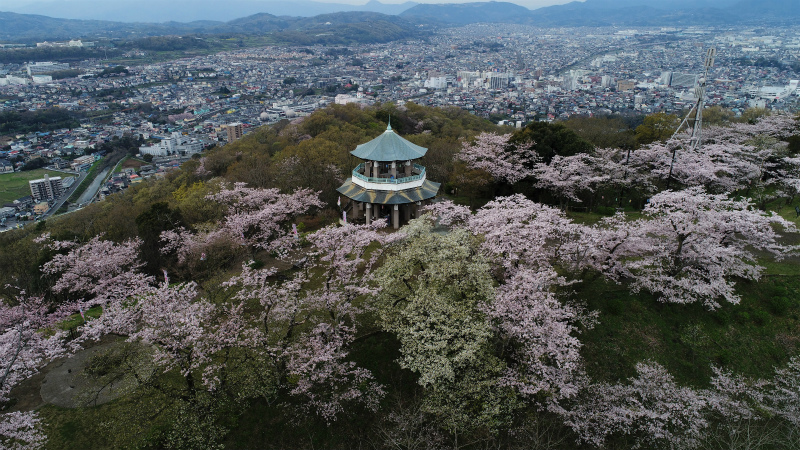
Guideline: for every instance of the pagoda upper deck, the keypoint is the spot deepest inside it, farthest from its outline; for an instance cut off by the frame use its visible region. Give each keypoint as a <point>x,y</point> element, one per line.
<point>387,181</point>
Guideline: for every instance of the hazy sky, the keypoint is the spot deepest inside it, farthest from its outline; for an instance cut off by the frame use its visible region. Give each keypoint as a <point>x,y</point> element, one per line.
<point>525,3</point>
<point>11,4</point>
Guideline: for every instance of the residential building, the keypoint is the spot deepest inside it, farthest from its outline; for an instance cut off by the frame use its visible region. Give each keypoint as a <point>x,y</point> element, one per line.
<point>235,131</point>
<point>46,188</point>
<point>45,67</point>
<point>6,166</point>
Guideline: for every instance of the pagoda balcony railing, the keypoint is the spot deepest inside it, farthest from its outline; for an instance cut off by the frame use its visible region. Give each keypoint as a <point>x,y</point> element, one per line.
<point>419,170</point>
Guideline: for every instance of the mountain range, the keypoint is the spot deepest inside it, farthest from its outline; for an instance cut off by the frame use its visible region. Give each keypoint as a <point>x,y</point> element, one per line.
<point>155,17</point>
<point>158,11</point>
<point>613,12</point>
<point>351,26</point>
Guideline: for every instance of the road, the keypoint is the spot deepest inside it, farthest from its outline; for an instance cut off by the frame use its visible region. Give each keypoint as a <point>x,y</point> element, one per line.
<point>66,195</point>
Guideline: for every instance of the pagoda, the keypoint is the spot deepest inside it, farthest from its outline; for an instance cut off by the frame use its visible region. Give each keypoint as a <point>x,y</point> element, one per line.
<point>389,183</point>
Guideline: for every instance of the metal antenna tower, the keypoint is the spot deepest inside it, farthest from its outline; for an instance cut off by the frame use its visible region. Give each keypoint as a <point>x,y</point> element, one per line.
<point>695,141</point>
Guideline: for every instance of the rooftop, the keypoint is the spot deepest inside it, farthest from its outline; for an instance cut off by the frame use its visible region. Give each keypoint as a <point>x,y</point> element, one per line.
<point>389,146</point>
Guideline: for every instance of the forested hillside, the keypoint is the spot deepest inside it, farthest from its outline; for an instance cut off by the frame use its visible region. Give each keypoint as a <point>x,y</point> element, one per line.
<point>585,284</point>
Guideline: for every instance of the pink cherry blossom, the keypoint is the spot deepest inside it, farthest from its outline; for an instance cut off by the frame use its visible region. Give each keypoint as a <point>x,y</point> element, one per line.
<point>504,161</point>
<point>21,431</point>
<point>568,176</point>
<point>100,270</point>
<point>541,334</point>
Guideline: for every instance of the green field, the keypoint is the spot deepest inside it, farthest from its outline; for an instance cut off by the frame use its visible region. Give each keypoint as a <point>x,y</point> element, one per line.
<point>15,185</point>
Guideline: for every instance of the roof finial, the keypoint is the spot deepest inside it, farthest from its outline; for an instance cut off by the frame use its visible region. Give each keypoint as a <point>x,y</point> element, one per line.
<point>389,127</point>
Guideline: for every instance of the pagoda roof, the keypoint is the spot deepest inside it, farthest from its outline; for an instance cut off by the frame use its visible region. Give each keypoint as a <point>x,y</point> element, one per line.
<point>429,189</point>
<point>389,146</point>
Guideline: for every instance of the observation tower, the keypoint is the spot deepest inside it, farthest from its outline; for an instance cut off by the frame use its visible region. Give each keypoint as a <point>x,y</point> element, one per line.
<point>389,183</point>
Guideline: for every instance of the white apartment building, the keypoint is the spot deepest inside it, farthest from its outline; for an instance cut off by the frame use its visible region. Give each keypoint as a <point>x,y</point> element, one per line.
<point>46,188</point>
<point>38,68</point>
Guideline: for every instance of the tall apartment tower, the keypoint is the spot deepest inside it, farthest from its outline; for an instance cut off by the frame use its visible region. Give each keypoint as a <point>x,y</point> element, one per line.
<point>46,188</point>
<point>234,131</point>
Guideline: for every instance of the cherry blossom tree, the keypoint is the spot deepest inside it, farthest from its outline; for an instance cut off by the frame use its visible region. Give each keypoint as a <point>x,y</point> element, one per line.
<point>652,409</point>
<point>504,161</point>
<point>519,232</point>
<point>190,247</point>
<point>785,393</point>
<point>776,125</point>
<point>787,178</point>
<point>448,213</point>
<point>201,168</point>
<point>738,414</point>
<point>541,334</point>
<point>324,376</point>
<point>731,157</point>
<point>716,167</point>
<point>29,339</point>
<point>566,177</point>
<point>21,431</point>
<point>691,245</point>
<point>100,270</point>
<point>255,217</point>
<point>258,215</point>
<point>603,247</point>
<point>304,333</point>
<point>185,331</point>
<point>622,175</point>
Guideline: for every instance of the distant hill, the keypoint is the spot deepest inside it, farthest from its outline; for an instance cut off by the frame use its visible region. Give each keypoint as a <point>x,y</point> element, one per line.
<point>158,11</point>
<point>773,9</point>
<point>669,5</point>
<point>335,28</point>
<point>354,26</point>
<point>464,13</point>
<point>257,23</point>
<point>612,12</point>
<point>21,27</point>
<point>601,13</point>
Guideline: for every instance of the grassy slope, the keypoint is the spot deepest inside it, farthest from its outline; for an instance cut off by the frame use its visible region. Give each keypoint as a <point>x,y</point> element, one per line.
<point>750,338</point>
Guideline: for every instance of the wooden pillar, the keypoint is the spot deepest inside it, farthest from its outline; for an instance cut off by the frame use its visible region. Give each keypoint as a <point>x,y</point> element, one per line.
<point>369,213</point>
<point>408,168</point>
<point>396,216</point>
